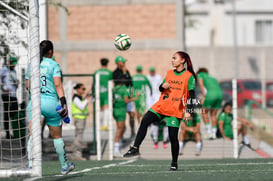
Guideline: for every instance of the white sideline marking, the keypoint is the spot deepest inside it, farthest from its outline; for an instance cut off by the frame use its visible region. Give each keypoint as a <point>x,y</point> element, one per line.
<point>87,169</point>
<point>200,165</point>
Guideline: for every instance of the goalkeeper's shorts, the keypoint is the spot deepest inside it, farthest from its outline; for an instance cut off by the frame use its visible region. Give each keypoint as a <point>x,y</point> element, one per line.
<point>48,111</point>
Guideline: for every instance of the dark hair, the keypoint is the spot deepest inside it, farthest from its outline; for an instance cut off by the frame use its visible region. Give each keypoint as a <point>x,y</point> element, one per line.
<point>104,61</point>
<point>45,47</point>
<point>188,61</point>
<point>225,105</point>
<point>78,85</point>
<point>202,69</point>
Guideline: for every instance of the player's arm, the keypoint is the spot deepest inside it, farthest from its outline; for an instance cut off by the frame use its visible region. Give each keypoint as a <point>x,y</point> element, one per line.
<point>202,87</point>
<point>163,86</point>
<point>190,104</point>
<point>149,85</point>
<point>58,86</point>
<point>221,129</point>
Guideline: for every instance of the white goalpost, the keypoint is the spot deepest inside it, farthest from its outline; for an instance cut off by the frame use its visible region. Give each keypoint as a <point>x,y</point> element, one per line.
<point>13,164</point>
<point>34,47</point>
<point>98,118</point>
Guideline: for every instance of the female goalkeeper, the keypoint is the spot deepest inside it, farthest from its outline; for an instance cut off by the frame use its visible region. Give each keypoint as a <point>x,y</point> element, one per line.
<point>177,91</point>
<point>51,93</point>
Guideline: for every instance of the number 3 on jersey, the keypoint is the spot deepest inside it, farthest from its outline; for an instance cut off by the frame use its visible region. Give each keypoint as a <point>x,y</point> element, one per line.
<point>43,79</point>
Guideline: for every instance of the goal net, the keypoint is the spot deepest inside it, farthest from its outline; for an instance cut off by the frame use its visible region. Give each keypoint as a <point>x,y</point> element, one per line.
<point>19,32</point>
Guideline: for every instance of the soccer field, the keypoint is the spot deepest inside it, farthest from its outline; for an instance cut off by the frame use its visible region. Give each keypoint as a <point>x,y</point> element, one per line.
<point>142,170</point>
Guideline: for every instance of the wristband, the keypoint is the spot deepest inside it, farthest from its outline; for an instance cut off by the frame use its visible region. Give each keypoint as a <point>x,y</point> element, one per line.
<point>63,101</point>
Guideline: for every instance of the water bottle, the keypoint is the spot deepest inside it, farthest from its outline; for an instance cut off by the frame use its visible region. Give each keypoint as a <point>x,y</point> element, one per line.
<point>66,118</point>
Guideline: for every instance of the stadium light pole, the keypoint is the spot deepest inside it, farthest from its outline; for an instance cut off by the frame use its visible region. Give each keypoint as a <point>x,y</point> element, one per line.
<point>234,81</point>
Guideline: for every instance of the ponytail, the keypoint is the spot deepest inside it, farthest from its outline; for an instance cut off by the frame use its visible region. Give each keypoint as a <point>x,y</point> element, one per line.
<point>189,63</point>
<point>45,46</point>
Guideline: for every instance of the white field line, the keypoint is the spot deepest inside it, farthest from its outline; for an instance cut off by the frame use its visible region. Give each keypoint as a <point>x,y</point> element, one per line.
<point>87,169</point>
<point>200,165</point>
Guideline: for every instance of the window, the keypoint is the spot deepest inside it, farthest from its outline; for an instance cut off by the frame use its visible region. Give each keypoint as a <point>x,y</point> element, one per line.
<point>263,31</point>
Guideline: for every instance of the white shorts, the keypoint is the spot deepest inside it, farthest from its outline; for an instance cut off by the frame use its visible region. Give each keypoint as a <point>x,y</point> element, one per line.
<point>130,107</point>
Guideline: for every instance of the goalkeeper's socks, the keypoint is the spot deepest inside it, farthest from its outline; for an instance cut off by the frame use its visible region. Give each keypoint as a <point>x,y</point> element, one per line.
<point>59,147</point>
<point>29,155</point>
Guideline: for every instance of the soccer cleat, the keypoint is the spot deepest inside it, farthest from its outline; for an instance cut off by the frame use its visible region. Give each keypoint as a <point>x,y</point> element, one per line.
<point>117,154</point>
<point>197,153</point>
<point>155,146</point>
<point>181,152</point>
<point>68,169</point>
<point>104,128</point>
<point>132,152</point>
<point>173,166</point>
<point>164,145</point>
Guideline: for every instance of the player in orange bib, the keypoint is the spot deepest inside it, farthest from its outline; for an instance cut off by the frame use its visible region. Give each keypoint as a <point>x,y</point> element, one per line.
<point>177,93</point>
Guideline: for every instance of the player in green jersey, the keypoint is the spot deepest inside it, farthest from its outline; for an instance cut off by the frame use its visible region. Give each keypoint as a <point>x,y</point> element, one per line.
<point>225,125</point>
<point>121,98</point>
<point>140,82</point>
<point>190,131</point>
<point>105,76</point>
<point>211,100</point>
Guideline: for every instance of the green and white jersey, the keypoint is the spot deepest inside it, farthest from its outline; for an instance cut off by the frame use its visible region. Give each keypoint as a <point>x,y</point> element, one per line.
<point>105,76</point>
<point>48,70</point>
<point>140,81</point>
<point>119,92</point>
<point>227,118</point>
<point>191,123</point>
<point>210,83</point>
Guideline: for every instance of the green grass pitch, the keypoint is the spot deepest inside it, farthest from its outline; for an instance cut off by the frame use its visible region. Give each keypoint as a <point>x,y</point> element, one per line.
<point>158,170</point>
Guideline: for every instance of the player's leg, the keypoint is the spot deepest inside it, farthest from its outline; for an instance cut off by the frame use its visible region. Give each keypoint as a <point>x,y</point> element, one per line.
<point>197,137</point>
<point>213,113</point>
<point>78,139</point>
<point>29,145</point>
<point>154,133</point>
<point>104,112</point>
<point>131,111</point>
<point>148,118</point>
<point>242,129</point>
<point>205,117</point>
<point>54,122</point>
<point>173,134</point>
<point>165,136</point>
<point>183,135</point>
<point>56,134</point>
<point>119,134</point>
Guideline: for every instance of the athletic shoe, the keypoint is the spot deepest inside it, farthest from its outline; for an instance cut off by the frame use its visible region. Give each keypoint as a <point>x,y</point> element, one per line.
<point>117,154</point>
<point>173,166</point>
<point>164,145</point>
<point>104,128</point>
<point>132,152</point>
<point>68,169</point>
<point>181,152</point>
<point>197,153</point>
<point>155,146</point>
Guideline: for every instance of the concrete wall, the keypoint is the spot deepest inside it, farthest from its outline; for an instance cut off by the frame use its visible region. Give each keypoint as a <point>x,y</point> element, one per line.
<point>156,29</point>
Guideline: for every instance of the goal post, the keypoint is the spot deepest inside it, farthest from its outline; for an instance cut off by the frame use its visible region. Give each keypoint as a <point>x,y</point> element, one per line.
<point>34,47</point>
<point>23,44</point>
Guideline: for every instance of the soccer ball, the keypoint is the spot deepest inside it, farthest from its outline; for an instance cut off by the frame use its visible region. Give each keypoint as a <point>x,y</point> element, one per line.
<point>123,42</point>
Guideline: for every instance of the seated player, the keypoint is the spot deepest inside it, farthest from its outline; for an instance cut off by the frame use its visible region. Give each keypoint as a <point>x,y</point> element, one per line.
<point>190,131</point>
<point>225,125</point>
